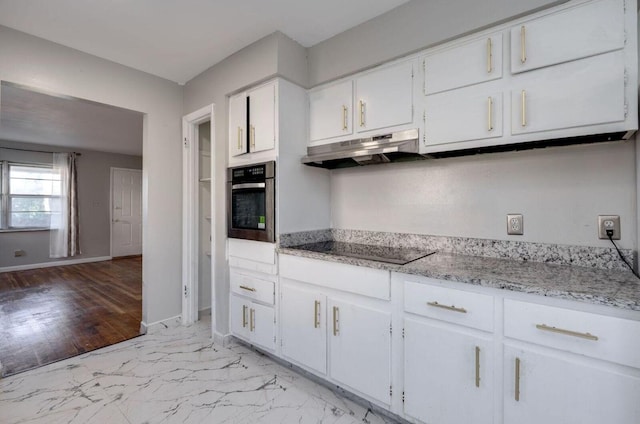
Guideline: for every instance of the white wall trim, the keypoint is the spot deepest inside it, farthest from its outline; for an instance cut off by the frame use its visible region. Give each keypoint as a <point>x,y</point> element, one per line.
<point>164,323</point>
<point>54,263</point>
<point>222,339</point>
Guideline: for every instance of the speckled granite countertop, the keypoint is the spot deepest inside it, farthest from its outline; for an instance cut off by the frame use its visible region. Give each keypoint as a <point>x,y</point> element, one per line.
<point>615,288</point>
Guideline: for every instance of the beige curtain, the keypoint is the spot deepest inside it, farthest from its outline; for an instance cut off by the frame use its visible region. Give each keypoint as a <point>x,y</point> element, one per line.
<point>64,234</point>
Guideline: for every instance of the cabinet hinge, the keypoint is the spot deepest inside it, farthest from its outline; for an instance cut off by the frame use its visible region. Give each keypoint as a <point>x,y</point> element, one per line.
<point>626,108</point>
<point>186,143</point>
<point>186,291</point>
<point>390,391</point>
<point>402,397</point>
<point>626,77</point>
<point>403,338</point>
<point>390,329</point>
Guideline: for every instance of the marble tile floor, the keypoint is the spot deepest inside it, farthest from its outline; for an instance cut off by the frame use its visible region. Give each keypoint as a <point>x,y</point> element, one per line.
<point>173,374</point>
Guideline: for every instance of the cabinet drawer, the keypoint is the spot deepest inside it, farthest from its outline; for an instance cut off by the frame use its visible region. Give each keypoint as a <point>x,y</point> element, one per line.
<point>459,307</point>
<point>252,287</point>
<point>598,336</point>
<point>252,250</point>
<point>349,278</point>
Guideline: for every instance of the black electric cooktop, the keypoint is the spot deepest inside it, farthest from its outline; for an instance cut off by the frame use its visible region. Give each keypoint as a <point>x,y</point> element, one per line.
<point>392,255</point>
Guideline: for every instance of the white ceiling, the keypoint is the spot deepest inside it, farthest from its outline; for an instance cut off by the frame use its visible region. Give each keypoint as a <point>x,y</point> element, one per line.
<point>31,116</point>
<point>178,39</point>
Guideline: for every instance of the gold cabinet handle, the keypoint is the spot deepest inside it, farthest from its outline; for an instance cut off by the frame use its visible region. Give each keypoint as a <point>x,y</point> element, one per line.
<point>523,44</point>
<point>587,336</point>
<point>477,366</point>
<point>252,319</point>
<point>252,135</point>
<point>490,115</point>
<point>239,138</point>
<point>489,56</point>
<point>362,112</point>
<point>251,289</point>
<point>524,108</point>
<point>316,314</point>
<point>336,329</point>
<point>344,118</point>
<point>447,307</point>
<point>244,316</point>
<point>517,391</point>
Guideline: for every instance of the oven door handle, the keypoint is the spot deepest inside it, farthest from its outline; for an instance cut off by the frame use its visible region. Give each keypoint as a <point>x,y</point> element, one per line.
<point>248,185</point>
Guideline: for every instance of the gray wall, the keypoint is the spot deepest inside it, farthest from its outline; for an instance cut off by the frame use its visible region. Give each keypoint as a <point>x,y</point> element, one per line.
<point>93,204</point>
<point>273,55</point>
<point>408,28</point>
<point>32,61</point>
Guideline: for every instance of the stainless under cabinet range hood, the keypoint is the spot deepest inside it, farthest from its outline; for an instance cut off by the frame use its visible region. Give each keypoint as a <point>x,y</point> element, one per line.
<point>392,147</point>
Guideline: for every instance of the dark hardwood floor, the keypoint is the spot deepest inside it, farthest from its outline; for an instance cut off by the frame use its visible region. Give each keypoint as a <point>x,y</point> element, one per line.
<point>50,314</point>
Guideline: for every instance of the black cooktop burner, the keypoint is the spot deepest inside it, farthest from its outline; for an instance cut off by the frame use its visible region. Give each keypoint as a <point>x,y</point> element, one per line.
<point>393,255</point>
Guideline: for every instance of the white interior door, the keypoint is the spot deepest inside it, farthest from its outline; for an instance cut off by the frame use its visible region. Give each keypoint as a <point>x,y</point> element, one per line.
<point>126,212</point>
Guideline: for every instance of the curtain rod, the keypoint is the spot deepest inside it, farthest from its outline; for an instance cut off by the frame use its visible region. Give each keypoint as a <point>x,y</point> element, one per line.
<point>36,151</point>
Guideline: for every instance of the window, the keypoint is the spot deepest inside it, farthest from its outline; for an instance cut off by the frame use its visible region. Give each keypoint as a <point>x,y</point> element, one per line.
<point>30,195</point>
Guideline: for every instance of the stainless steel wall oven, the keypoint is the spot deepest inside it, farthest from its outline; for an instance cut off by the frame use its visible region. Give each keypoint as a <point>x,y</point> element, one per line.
<point>251,202</point>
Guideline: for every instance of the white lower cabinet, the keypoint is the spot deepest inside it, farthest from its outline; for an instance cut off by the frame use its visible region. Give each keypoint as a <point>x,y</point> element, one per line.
<point>360,348</point>
<point>562,388</point>
<point>304,328</point>
<point>253,322</point>
<point>448,374</point>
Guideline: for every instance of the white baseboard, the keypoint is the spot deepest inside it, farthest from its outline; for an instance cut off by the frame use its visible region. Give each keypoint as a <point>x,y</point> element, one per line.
<point>159,325</point>
<point>55,263</point>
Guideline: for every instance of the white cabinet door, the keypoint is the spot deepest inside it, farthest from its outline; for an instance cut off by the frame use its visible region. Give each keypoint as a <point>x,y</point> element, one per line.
<point>331,111</point>
<point>304,328</point>
<point>384,98</point>
<point>471,113</point>
<point>239,316</point>
<point>448,375</point>
<point>570,34</point>
<point>470,63</point>
<point>360,348</point>
<point>238,124</point>
<point>262,118</point>
<point>262,326</point>
<point>579,93</point>
<point>552,389</point>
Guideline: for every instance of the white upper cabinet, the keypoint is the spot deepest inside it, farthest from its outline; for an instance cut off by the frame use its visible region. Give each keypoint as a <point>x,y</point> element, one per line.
<point>471,113</point>
<point>577,32</point>
<point>574,94</point>
<point>238,124</point>
<point>384,97</point>
<point>474,61</point>
<point>331,111</point>
<point>262,118</point>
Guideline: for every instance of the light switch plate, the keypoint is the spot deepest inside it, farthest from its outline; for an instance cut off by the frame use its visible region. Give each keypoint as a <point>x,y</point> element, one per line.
<point>515,224</point>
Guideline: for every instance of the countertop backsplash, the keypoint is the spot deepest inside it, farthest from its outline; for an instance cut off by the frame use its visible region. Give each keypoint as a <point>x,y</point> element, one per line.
<point>592,257</point>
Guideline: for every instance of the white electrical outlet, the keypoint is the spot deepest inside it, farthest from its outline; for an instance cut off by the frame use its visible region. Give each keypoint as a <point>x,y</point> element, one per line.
<point>515,224</point>
<point>609,222</point>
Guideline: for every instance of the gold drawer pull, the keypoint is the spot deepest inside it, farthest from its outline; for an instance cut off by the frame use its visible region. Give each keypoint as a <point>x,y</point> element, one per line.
<point>336,313</point>
<point>344,118</point>
<point>587,336</point>
<point>252,136</point>
<point>490,116</point>
<point>477,366</point>
<point>489,56</point>
<point>517,395</point>
<point>362,112</point>
<point>244,316</point>
<point>524,108</point>
<point>252,319</point>
<point>447,307</point>
<point>316,314</point>
<point>251,289</point>
<point>523,44</point>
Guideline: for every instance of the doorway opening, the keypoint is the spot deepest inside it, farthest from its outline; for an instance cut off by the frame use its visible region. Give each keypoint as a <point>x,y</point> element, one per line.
<point>199,216</point>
